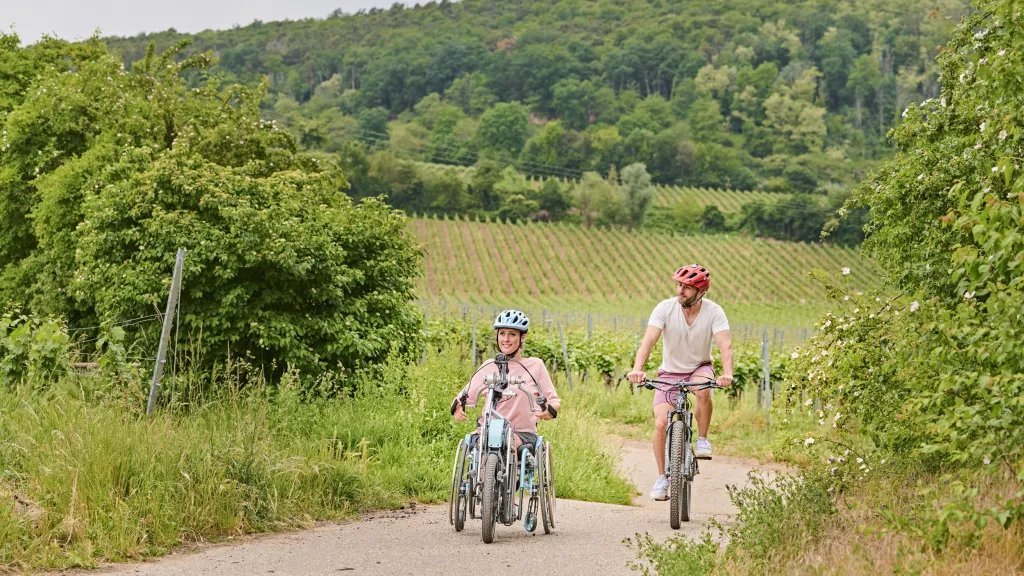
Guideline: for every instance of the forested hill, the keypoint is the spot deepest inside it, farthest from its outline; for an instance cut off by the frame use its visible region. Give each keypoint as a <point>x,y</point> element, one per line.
<point>734,93</point>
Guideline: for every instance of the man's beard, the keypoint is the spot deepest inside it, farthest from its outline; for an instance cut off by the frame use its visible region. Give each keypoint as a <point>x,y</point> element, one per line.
<point>686,303</point>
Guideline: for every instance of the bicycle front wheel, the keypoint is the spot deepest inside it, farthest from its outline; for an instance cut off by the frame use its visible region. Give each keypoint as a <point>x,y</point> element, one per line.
<point>678,441</point>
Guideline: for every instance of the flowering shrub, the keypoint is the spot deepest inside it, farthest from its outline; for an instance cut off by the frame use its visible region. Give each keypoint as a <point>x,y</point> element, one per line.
<point>935,374</point>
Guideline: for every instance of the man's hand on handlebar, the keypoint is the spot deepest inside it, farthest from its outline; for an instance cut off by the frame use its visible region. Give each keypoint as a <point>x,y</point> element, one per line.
<point>725,380</point>
<point>637,376</point>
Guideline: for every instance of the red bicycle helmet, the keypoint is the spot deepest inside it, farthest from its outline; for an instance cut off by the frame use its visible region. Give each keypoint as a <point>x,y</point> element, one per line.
<point>694,275</point>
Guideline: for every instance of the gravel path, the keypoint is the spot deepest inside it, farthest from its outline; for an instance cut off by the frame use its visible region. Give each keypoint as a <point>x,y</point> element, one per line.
<point>419,540</point>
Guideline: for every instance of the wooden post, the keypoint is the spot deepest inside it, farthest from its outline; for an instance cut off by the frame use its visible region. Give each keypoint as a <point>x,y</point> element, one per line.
<point>165,333</point>
<point>565,355</point>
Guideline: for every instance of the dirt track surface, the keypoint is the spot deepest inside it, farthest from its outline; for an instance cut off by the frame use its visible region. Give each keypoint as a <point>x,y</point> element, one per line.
<point>588,538</point>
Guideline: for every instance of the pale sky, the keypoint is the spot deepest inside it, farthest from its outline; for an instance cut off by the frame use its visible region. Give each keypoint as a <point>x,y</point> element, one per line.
<point>78,19</point>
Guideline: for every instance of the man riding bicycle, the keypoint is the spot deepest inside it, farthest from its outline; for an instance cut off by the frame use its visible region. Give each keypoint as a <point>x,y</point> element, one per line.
<point>511,327</point>
<point>690,322</point>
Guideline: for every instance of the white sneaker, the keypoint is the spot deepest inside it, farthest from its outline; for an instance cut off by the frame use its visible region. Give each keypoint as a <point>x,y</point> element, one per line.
<point>703,450</point>
<point>660,490</point>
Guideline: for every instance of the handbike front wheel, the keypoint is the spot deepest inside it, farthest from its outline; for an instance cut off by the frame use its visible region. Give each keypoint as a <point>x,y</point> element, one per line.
<point>489,506</point>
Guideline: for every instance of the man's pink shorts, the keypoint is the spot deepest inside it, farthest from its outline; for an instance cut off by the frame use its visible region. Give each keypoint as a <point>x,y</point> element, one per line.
<point>701,373</point>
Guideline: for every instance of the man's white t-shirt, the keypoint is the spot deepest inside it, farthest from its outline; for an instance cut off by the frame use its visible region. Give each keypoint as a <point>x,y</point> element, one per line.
<point>687,347</point>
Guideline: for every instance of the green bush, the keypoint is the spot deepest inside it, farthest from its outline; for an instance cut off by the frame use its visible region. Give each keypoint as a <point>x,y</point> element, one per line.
<point>121,169</point>
<point>31,349</point>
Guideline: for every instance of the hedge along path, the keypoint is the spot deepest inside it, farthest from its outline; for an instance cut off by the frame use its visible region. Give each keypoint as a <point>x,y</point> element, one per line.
<point>431,244</point>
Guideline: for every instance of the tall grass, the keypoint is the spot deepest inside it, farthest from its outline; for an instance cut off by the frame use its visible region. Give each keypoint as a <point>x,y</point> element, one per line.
<point>84,481</point>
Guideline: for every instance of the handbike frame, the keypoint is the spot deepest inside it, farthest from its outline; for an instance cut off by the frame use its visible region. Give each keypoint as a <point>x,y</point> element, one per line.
<point>497,436</point>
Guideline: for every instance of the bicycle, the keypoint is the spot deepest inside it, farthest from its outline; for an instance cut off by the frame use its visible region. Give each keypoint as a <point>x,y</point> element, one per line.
<point>485,476</point>
<point>680,459</point>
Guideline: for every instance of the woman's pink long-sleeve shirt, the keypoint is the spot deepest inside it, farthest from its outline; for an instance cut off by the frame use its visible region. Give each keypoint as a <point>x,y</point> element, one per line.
<point>516,409</point>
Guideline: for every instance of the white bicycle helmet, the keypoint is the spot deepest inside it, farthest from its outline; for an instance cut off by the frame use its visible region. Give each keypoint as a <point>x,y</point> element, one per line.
<point>512,319</point>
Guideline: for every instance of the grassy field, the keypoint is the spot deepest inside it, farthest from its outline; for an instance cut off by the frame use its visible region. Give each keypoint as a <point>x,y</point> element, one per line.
<point>85,477</point>
<point>567,268</point>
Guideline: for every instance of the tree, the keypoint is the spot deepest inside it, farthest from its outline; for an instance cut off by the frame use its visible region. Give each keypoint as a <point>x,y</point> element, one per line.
<point>283,267</point>
<point>373,123</point>
<point>516,208</point>
<point>503,129</point>
<point>592,195</point>
<point>552,198</point>
<point>712,219</point>
<point>637,184</point>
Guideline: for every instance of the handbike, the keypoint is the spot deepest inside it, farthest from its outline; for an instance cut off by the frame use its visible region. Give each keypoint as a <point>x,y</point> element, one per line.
<point>680,459</point>
<point>489,470</point>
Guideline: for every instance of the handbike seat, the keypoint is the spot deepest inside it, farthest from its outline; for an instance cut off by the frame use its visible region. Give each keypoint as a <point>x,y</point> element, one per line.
<point>530,441</point>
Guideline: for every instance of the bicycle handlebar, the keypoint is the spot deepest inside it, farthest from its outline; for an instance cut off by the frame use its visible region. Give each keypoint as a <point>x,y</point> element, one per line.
<point>654,384</point>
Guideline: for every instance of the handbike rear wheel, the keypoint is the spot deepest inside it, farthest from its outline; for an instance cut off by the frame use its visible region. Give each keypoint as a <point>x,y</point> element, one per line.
<point>457,475</point>
<point>547,488</point>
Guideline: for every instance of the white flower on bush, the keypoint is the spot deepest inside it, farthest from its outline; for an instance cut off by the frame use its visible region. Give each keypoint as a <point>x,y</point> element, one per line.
<point>981,127</point>
<point>846,271</point>
<point>808,441</point>
<point>978,146</point>
<point>860,460</point>
<point>794,355</point>
<point>1001,52</point>
<point>920,176</point>
<point>837,416</point>
<point>943,101</point>
<point>987,460</point>
<point>1002,134</point>
<point>914,306</point>
<point>809,402</point>
<point>995,168</point>
<point>968,295</point>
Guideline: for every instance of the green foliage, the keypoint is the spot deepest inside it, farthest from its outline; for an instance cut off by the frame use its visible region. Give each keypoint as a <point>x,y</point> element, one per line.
<point>31,349</point>
<point>637,184</point>
<point>503,129</point>
<point>106,483</point>
<point>282,265</point>
<point>758,78</point>
<point>932,377</point>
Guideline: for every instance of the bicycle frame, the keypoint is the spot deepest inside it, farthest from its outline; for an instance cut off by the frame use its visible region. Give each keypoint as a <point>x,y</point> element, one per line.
<point>682,415</point>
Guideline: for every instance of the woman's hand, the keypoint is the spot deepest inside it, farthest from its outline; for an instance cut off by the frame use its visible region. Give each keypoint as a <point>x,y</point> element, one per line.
<point>460,412</point>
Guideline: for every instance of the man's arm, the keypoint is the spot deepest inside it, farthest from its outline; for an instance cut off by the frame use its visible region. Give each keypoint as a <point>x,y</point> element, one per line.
<point>650,339</point>
<point>724,341</point>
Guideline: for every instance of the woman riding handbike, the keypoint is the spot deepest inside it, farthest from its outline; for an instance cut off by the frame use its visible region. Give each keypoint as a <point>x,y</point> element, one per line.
<point>505,455</point>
